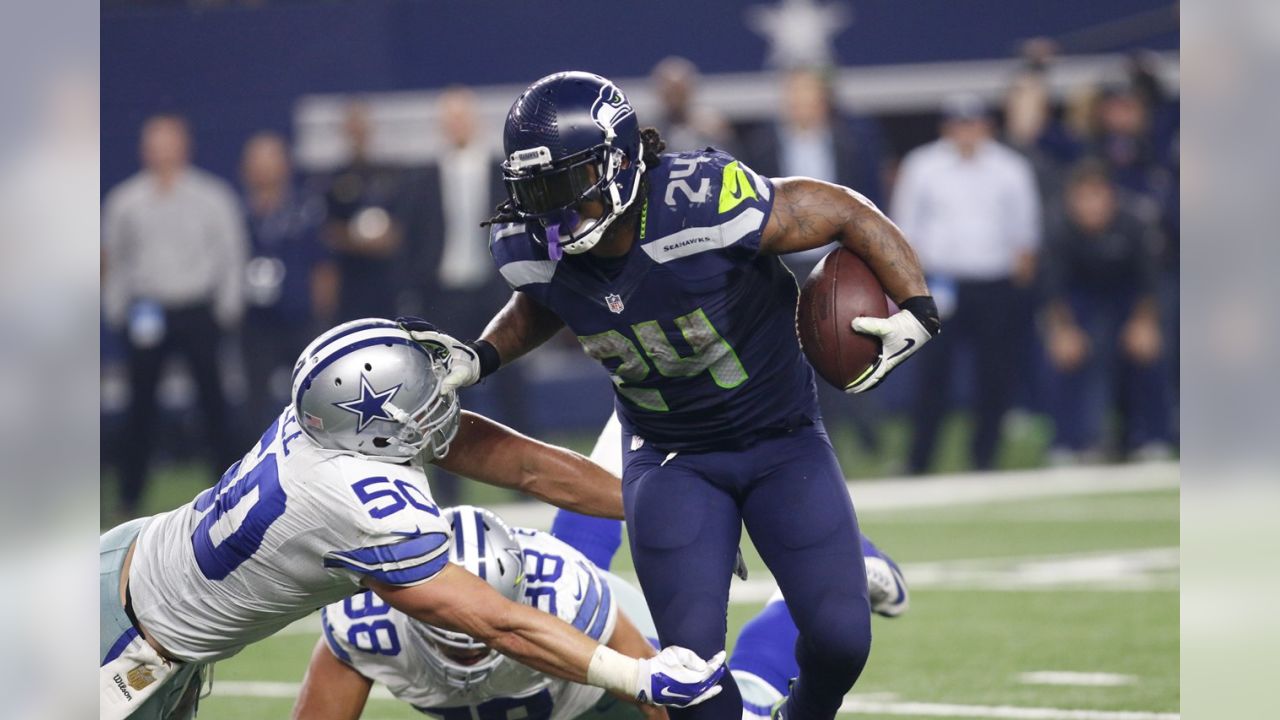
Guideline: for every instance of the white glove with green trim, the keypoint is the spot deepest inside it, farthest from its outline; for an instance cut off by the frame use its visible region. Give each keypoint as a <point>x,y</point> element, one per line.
<point>901,336</point>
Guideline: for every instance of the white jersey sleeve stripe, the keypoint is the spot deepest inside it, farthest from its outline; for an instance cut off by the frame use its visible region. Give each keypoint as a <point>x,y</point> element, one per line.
<point>404,563</point>
<point>694,240</point>
<point>593,614</point>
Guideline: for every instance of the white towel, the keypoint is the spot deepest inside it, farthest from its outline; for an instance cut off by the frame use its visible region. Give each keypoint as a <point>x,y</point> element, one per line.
<point>130,679</point>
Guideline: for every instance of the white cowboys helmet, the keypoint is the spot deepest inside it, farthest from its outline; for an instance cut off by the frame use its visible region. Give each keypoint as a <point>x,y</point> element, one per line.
<point>486,547</point>
<point>365,387</point>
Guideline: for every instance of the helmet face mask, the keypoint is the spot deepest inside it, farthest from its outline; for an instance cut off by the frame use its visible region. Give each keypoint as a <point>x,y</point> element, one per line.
<point>572,141</point>
<point>538,193</point>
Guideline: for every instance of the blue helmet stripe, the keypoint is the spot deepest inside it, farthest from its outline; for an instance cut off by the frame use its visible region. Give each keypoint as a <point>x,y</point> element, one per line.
<point>459,541</point>
<point>339,354</point>
<point>372,324</point>
<point>480,543</point>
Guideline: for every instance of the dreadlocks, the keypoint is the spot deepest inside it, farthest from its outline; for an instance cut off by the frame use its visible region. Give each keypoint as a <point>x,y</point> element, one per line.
<point>651,147</point>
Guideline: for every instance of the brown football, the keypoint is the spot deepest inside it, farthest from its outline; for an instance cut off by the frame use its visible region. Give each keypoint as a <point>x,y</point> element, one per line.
<point>838,290</point>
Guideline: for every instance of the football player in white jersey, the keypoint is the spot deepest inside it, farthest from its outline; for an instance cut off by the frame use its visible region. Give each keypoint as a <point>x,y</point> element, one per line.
<point>453,677</point>
<point>456,678</point>
<point>332,500</point>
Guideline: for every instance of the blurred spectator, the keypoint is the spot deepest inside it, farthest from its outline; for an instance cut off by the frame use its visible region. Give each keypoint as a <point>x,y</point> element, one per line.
<point>811,138</point>
<point>970,207</point>
<point>290,281</point>
<point>1121,136</point>
<point>685,125</point>
<point>1031,129</point>
<point>174,260</point>
<point>454,281</point>
<point>364,226</point>
<point>1101,276</point>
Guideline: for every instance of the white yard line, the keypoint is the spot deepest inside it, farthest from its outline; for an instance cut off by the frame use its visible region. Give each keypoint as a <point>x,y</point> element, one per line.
<point>1144,570</point>
<point>1154,569</point>
<point>1075,679</point>
<point>857,705</point>
<point>955,490</point>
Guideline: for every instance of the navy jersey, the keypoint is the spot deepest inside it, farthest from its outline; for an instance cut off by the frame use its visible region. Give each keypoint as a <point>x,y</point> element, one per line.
<point>695,326</point>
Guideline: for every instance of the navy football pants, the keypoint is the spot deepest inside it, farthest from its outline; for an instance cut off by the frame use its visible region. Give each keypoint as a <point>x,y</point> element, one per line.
<point>684,517</point>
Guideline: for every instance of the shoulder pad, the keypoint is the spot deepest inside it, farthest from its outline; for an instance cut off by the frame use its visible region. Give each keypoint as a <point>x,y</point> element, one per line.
<point>521,260</point>
<point>560,580</point>
<point>704,201</point>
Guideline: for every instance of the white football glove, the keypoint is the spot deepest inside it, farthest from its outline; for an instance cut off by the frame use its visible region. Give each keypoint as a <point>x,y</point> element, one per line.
<point>679,678</point>
<point>901,336</point>
<point>462,363</point>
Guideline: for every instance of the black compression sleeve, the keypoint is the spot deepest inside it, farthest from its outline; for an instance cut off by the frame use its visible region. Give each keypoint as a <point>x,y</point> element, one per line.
<point>490,361</point>
<point>925,310</point>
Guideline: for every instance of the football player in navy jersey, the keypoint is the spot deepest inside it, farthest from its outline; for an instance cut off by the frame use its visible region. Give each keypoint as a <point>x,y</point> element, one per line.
<point>666,268</point>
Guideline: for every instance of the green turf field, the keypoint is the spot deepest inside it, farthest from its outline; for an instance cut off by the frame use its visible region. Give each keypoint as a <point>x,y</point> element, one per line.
<point>1078,583</point>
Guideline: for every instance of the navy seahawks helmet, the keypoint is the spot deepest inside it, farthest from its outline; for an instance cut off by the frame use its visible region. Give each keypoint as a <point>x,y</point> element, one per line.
<point>570,137</point>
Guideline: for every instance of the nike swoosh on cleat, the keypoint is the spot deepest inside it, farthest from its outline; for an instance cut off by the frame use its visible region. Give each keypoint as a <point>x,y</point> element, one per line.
<point>911,342</point>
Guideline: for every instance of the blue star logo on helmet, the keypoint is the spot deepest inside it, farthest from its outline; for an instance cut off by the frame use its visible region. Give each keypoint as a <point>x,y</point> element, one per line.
<point>370,405</point>
<point>610,107</point>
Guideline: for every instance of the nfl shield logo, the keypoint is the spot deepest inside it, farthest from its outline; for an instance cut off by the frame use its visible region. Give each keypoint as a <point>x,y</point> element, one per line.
<point>614,302</point>
<point>140,677</point>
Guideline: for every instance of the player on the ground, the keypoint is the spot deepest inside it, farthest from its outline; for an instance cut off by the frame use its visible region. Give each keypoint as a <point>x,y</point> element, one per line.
<point>454,677</point>
<point>334,499</point>
<point>666,268</point>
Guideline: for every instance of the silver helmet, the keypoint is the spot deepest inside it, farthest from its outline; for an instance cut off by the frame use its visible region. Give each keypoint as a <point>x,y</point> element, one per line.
<point>366,387</point>
<point>484,546</point>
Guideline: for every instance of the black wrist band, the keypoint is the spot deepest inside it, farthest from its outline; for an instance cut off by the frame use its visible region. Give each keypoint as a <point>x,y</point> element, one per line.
<point>925,310</point>
<point>488,354</point>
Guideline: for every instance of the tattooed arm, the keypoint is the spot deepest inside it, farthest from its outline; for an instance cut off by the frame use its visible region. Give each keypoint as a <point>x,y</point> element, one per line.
<point>522,325</point>
<point>810,213</point>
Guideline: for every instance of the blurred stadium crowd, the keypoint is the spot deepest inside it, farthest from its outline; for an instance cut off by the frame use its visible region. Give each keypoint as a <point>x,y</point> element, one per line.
<point>1048,228</point>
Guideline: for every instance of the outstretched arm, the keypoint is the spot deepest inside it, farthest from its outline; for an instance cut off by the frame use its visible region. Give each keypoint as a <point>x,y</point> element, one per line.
<point>810,213</point>
<point>497,455</point>
<point>331,690</point>
<point>456,600</point>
